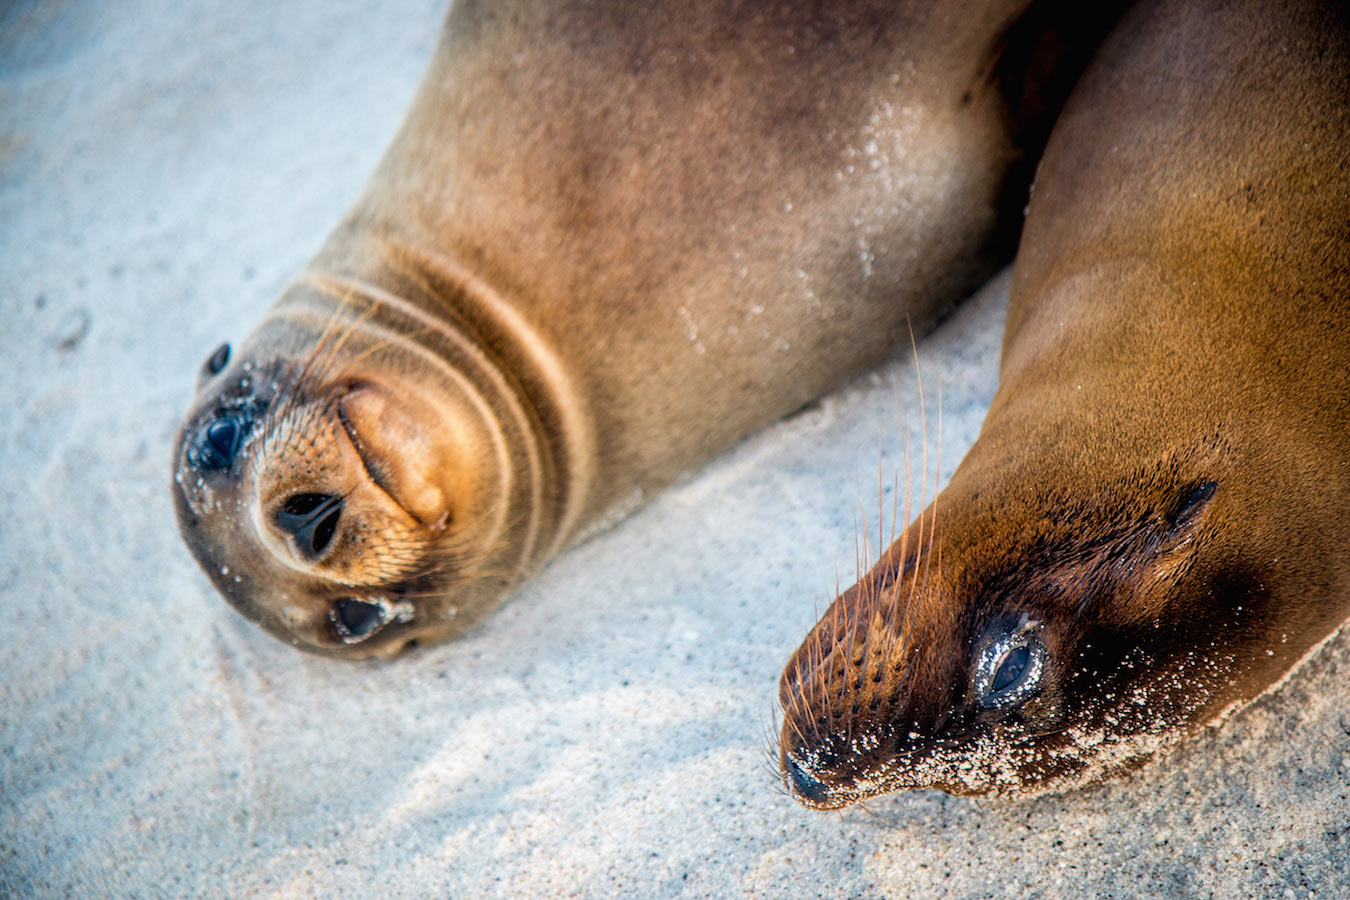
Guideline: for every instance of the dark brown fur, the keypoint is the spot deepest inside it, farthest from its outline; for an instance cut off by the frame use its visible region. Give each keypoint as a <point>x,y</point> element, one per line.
<point>1160,493</point>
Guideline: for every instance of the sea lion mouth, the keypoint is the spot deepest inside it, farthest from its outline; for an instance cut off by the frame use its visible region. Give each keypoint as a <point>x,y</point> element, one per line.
<point>398,455</point>
<point>363,519</point>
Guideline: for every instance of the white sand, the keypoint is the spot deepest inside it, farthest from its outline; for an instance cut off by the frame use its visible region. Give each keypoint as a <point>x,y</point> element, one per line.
<point>163,168</point>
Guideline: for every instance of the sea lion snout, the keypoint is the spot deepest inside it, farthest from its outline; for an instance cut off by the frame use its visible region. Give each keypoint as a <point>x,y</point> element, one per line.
<point>326,502</point>
<point>951,705</point>
<point>331,504</point>
<point>806,787</point>
<point>1009,655</point>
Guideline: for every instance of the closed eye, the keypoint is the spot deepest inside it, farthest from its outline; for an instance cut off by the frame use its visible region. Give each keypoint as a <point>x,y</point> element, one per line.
<point>1009,669</point>
<point>217,443</point>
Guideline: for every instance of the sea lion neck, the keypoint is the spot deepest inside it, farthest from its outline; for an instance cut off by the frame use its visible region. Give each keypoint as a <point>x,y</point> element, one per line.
<point>460,325</point>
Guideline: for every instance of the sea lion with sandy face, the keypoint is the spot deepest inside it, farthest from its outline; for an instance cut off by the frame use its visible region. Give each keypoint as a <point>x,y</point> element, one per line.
<point>1153,527</point>
<point>609,240</point>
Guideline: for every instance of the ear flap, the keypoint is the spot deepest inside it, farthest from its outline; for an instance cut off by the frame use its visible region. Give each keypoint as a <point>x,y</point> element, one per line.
<point>1171,549</point>
<point>1193,503</point>
<point>214,365</point>
<point>1147,564</point>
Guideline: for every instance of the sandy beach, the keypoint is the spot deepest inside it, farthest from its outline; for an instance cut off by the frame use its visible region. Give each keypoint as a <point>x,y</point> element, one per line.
<point>164,169</point>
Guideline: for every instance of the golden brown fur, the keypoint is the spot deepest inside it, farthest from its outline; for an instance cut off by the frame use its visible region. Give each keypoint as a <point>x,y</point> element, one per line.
<point>1156,514</point>
<point>609,239</point>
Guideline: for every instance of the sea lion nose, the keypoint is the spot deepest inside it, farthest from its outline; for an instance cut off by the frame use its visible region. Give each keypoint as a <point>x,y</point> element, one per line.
<point>312,519</point>
<point>805,785</point>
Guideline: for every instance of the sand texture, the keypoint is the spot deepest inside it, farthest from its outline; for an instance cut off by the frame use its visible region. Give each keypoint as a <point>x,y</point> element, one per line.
<point>164,168</point>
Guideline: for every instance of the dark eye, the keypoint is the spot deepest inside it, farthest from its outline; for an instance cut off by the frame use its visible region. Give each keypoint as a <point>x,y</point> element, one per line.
<point>1010,669</point>
<point>356,620</point>
<point>218,443</point>
<point>216,362</point>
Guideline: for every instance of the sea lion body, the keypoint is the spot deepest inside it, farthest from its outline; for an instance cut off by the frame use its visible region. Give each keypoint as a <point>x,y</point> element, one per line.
<point>1153,526</point>
<point>608,241</point>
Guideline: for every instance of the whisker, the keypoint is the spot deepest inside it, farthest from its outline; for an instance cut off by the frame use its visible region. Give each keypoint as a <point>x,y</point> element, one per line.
<point>862,806</point>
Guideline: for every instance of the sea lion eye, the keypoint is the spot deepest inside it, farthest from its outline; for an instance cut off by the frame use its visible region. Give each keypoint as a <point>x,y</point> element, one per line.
<point>355,620</point>
<point>1009,668</point>
<point>218,443</point>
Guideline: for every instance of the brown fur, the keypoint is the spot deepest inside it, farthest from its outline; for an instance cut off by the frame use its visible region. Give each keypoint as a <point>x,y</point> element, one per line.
<point>609,240</point>
<point>1180,318</point>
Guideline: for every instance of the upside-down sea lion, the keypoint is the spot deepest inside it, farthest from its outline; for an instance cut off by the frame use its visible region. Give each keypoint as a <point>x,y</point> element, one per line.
<point>1153,527</point>
<point>609,239</point>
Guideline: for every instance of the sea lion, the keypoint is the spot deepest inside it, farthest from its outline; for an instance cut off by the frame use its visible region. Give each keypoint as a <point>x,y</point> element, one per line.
<point>1153,526</point>
<point>609,239</point>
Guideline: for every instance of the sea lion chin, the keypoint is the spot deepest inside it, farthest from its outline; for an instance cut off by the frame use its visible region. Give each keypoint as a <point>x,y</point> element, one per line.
<point>1153,527</point>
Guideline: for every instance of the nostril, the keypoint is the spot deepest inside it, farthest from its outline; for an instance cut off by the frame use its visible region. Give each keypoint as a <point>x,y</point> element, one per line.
<point>304,504</point>
<point>323,532</point>
<point>806,786</point>
<point>312,519</point>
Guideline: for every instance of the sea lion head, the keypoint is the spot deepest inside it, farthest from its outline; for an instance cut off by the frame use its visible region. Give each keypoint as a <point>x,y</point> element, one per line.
<point>345,479</point>
<point>1029,646</point>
